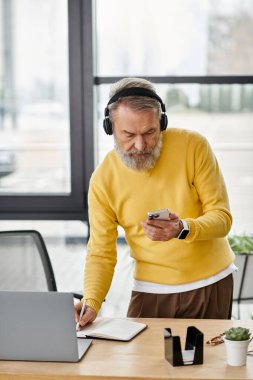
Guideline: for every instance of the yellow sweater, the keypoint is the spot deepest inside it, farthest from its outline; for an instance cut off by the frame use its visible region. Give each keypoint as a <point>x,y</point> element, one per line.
<point>186,180</point>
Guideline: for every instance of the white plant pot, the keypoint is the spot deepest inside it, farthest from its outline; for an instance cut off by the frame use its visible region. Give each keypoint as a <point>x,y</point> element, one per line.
<point>236,351</point>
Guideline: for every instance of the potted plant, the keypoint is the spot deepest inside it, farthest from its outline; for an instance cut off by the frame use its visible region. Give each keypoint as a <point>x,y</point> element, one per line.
<point>237,341</point>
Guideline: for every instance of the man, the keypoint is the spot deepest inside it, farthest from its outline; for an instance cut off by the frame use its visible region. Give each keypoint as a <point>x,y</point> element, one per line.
<point>183,265</point>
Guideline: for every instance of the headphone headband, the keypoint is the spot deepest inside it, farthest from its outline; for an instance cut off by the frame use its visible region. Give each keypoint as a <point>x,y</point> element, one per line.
<point>136,91</point>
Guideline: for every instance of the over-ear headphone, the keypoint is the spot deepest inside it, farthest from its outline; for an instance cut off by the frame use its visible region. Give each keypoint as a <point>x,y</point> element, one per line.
<point>134,91</point>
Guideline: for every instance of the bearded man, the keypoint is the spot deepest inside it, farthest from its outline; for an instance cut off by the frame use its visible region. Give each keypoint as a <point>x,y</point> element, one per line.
<point>183,262</point>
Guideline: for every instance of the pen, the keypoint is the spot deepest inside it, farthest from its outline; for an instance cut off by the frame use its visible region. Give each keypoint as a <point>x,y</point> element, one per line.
<point>81,314</point>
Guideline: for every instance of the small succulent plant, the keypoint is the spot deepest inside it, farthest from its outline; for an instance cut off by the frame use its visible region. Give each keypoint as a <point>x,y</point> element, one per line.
<point>237,333</point>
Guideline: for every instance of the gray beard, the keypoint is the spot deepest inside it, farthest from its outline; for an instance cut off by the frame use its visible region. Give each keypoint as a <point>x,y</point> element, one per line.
<point>140,163</point>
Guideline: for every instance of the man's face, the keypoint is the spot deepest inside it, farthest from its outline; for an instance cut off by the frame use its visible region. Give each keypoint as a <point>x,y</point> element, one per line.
<point>137,137</point>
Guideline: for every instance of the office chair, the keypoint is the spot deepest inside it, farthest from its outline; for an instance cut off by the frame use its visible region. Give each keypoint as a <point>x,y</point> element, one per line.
<point>25,263</point>
<point>243,280</point>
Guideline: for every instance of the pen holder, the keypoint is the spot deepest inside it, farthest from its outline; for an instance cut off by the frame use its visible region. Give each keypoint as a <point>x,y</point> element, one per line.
<point>193,353</point>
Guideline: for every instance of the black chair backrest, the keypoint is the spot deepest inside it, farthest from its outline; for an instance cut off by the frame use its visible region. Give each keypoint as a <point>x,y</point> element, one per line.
<point>24,262</point>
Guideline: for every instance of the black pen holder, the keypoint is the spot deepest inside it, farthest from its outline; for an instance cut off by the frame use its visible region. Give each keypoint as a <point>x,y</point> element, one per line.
<point>194,346</point>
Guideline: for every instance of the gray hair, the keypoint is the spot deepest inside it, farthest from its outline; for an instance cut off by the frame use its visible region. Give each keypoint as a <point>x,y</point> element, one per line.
<point>136,103</point>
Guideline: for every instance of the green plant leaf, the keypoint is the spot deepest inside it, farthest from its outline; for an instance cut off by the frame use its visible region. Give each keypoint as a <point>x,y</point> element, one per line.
<point>241,243</point>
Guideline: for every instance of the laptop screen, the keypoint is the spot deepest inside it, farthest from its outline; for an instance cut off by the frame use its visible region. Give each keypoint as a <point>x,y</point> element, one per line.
<point>38,326</point>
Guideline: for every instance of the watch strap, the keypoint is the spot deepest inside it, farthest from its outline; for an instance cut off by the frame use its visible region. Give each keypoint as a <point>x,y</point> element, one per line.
<point>184,232</point>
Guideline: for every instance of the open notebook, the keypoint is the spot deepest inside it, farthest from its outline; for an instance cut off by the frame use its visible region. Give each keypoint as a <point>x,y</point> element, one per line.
<point>111,328</point>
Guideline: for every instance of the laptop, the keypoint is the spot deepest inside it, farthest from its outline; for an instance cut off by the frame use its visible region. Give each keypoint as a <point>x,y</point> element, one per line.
<point>39,326</point>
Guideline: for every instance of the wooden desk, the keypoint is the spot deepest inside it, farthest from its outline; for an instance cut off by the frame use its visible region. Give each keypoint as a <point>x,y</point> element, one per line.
<point>142,358</point>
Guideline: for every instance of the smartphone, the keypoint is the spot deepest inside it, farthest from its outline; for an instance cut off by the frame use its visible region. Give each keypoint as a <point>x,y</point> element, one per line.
<point>159,214</point>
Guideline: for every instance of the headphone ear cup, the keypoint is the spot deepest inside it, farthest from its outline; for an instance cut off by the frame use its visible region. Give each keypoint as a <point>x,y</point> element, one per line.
<point>163,121</point>
<point>107,125</point>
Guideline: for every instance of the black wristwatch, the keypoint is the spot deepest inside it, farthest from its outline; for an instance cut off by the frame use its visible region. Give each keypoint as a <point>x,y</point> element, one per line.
<point>184,232</point>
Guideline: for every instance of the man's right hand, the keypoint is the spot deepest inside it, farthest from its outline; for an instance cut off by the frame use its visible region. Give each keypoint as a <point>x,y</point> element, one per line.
<point>88,316</point>
<point>162,230</point>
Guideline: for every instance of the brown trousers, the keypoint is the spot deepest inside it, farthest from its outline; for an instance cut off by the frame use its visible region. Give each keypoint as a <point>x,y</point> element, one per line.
<point>210,302</point>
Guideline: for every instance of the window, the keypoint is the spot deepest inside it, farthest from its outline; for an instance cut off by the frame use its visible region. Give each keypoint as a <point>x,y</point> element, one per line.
<point>43,166</point>
<point>180,38</point>
<point>35,127</point>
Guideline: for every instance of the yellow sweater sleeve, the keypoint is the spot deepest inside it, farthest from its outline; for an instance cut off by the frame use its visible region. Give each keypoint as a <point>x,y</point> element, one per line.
<point>208,181</point>
<point>101,255</point>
